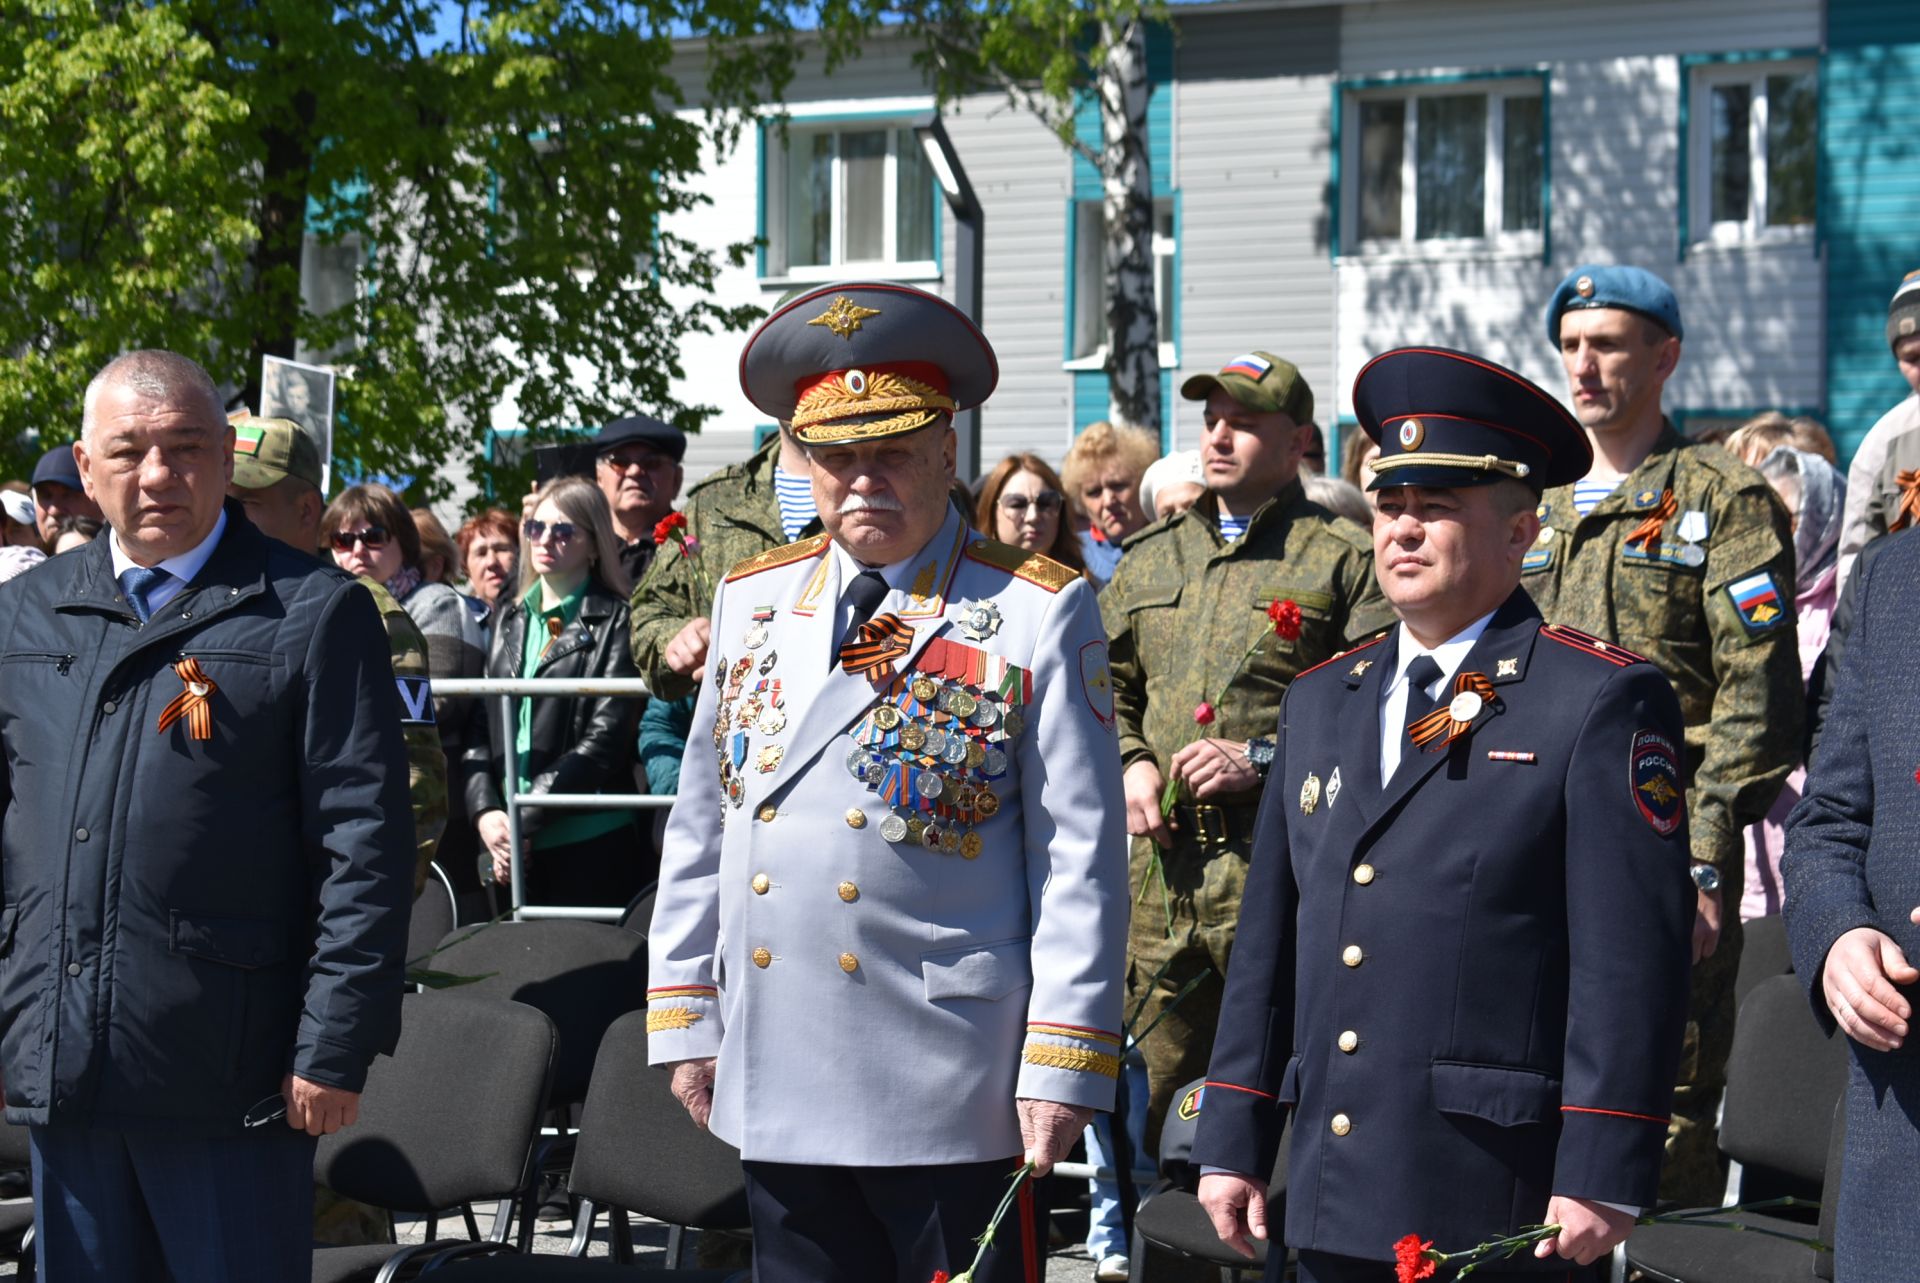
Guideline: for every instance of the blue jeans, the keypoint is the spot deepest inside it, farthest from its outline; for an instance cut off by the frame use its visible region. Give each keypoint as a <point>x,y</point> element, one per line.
<point>1106,1229</point>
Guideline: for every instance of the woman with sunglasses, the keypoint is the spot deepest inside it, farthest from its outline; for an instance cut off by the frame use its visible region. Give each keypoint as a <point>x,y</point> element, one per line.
<point>1021,503</point>
<point>569,621</point>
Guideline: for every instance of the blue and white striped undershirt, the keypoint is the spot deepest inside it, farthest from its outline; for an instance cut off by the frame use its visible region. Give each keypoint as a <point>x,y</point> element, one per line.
<point>1588,494</point>
<point>795,495</point>
<point>1232,528</point>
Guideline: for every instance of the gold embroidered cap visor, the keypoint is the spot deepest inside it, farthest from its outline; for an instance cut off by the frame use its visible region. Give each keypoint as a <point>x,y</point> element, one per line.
<point>862,360</point>
<point>1446,419</point>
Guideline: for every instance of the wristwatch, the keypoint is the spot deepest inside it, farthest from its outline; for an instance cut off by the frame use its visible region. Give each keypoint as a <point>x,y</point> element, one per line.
<point>1706,877</point>
<point>1260,756</point>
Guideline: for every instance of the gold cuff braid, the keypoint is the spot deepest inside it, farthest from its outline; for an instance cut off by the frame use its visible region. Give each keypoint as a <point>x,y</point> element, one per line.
<point>1053,1056</point>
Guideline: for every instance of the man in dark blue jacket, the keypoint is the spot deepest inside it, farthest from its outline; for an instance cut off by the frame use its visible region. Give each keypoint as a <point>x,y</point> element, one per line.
<point>208,857</point>
<point>1462,957</point>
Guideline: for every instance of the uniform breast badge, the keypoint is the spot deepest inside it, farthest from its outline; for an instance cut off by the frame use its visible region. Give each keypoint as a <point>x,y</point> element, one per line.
<point>1333,786</point>
<point>1692,529</point>
<point>769,759</point>
<point>979,620</point>
<point>1309,794</point>
<point>757,632</point>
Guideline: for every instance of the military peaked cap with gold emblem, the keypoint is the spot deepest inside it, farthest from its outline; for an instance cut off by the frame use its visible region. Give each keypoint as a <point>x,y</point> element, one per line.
<point>1446,419</point>
<point>863,360</point>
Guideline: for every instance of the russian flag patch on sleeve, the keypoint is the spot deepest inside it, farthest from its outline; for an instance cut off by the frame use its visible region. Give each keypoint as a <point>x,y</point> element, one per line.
<point>1757,601</point>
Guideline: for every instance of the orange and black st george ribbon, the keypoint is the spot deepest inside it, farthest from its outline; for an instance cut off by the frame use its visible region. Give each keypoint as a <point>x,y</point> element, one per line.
<point>195,703</point>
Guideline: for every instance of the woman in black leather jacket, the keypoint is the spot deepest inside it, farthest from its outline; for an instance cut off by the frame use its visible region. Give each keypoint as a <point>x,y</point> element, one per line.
<point>569,621</point>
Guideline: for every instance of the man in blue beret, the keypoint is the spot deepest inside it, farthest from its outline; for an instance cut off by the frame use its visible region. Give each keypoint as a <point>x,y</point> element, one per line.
<point>1386,919</point>
<point>1681,553</point>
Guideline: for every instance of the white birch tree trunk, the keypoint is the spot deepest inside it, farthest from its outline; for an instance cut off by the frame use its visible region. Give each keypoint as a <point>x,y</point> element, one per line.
<point>1133,322</point>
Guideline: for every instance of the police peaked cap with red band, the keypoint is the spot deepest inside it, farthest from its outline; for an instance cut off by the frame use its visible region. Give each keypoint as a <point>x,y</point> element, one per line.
<point>862,360</point>
<point>1445,419</point>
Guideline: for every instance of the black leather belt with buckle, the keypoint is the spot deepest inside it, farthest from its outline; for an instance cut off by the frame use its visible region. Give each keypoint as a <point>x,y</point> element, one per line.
<point>1212,826</point>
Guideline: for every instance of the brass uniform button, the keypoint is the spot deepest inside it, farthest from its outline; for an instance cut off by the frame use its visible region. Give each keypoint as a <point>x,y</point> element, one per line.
<point>849,963</point>
<point>1341,1124</point>
<point>763,958</point>
<point>849,892</point>
<point>1349,1042</point>
<point>1363,873</point>
<point>856,818</point>
<point>762,884</point>
<point>767,813</point>
<point>1351,955</point>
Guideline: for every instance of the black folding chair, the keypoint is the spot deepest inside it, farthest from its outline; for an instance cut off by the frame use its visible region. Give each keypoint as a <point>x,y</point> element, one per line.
<point>1786,1084</point>
<point>637,1152</point>
<point>1764,953</point>
<point>447,1122</point>
<point>638,915</point>
<point>434,915</point>
<point>1170,1216</point>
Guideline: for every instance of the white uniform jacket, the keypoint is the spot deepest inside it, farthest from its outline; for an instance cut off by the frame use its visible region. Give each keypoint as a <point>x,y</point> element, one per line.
<point>890,905</point>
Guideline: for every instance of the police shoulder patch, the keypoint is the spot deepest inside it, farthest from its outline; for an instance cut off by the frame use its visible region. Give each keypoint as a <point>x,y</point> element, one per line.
<point>1189,1108</point>
<point>1653,774</point>
<point>1035,568</point>
<point>1096,681</point>
<point>416,696</point>
<point>1756,599</point>
<point>784,555</point>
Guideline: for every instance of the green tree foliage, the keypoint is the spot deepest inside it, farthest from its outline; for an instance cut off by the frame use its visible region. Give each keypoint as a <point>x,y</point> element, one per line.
<point>1048,56</point>
<point>508,183</point>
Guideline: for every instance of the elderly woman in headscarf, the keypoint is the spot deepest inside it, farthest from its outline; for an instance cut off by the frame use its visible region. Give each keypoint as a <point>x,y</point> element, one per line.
<point>1814,493</point>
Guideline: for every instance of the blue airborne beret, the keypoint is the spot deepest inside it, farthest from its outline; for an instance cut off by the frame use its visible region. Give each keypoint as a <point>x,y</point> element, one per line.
<point>1447,419</point>
<point>1632,289</point>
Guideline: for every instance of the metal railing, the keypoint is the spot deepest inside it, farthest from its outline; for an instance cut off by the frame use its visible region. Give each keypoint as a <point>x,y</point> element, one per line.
<point>506,690</point>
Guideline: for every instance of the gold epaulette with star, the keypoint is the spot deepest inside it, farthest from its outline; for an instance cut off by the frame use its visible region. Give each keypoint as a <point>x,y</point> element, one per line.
<point>1586,643</point>
<point>784,555</point>
<point>1035,568</point>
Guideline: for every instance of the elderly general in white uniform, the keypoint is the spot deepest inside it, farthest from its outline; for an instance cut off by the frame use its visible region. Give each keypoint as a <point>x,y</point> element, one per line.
<point>886,953</point>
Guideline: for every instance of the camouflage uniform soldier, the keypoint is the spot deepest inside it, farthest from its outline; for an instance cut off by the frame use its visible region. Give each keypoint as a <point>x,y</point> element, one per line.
<point>1687,559</point>
<point>1189,598</point>
<point>740,511</point>
<point>276,478</point>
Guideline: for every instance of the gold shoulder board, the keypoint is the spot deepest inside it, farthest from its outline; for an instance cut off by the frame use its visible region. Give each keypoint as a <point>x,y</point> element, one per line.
<point>1033,567</point>
<point>784,555</point>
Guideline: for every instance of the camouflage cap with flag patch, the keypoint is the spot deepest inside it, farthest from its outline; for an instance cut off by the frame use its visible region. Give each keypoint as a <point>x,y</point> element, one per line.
<point>268,451</point>
<point>1260,381</point>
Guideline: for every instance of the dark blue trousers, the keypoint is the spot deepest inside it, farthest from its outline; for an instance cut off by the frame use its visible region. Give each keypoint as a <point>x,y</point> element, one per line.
<point>134,1207</point>
<point>874,1224</point>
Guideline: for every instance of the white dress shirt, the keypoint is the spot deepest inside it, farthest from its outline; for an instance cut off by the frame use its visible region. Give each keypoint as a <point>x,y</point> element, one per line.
<point>183,567</point>
<point>1449,654</point>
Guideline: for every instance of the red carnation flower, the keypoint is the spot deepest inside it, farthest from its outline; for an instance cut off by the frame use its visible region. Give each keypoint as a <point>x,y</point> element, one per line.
<point>1204,713</point>
<point>1411,1261</point>
<point>664,528</point>
<point>939,1276</point>
<point>1286,618</point>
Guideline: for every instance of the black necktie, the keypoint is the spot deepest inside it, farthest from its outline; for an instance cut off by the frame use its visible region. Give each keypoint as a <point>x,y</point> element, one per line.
<point>1422,673</point>
<point>865,594</point>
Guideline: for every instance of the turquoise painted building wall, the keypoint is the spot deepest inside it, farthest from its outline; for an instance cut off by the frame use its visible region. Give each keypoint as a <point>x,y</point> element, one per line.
<point>1870,199</point>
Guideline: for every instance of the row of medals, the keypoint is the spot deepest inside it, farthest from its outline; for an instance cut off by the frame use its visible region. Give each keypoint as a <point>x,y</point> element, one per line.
<point>763,710</point>
<point>934,750</point>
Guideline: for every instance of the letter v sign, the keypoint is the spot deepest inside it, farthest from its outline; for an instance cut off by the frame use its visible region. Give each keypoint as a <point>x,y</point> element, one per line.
<point>417,694</point>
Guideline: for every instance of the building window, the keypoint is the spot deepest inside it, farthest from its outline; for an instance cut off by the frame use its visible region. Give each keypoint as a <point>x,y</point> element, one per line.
<point>329,280</point>
<point>1447,166</point>
<point>848,196</point>
<point>1755,139</point>
<point>1089,341</point>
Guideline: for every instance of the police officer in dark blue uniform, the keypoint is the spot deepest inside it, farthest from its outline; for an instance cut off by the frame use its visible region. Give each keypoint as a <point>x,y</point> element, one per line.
<point>1463,950</point>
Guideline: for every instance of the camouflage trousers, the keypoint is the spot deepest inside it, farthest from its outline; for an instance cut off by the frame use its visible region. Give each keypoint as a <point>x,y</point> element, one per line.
<point>1182,927</point>
<point>1693,1173</point>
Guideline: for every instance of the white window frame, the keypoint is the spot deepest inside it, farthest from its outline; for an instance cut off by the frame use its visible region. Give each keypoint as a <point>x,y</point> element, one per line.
<point>801,129</point>
<point>1754,228</point>
<point>1165,254</point>
<point>1526,242</point>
